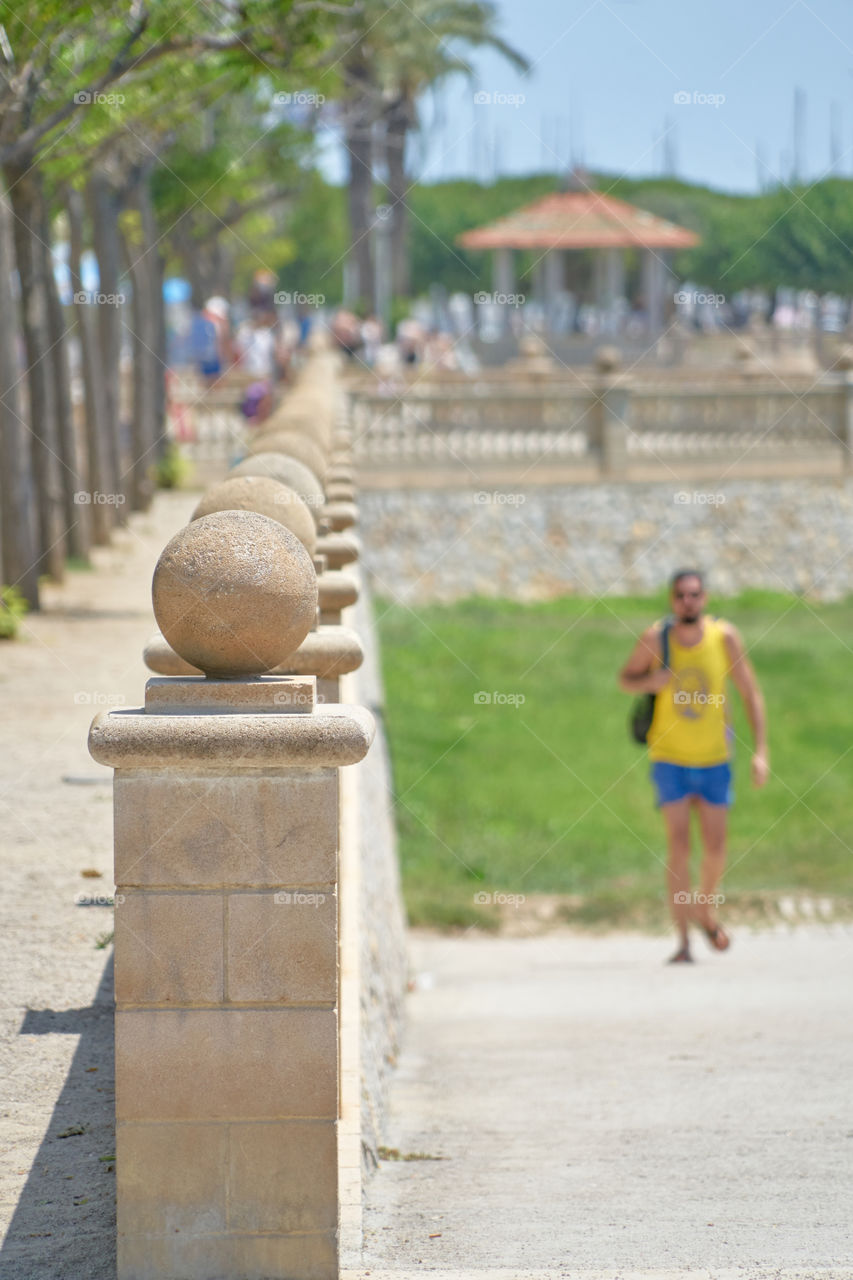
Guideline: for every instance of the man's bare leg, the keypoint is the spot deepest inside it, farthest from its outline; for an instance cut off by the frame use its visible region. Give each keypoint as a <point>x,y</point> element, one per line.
<point>713,824</point>
<point>677,818</point>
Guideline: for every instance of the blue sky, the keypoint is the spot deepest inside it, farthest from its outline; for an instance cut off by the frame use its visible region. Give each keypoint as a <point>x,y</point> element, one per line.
<point>604,81</point>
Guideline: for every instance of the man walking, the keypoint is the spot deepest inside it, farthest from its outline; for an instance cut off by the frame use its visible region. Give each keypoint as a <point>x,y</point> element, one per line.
<point>690,743</point>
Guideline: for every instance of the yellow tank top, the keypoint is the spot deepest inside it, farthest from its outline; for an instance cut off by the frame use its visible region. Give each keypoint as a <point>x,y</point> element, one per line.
<point>689,726</point>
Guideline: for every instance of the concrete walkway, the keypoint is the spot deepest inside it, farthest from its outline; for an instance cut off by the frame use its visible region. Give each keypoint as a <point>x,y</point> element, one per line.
<point>597,1114</point>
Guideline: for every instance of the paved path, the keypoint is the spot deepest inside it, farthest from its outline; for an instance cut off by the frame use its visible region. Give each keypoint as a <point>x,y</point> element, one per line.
<point>599,1114</point>
<point>81,655</point>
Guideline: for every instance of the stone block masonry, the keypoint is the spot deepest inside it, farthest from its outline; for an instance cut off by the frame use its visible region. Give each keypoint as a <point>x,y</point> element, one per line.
<point>226,980</point>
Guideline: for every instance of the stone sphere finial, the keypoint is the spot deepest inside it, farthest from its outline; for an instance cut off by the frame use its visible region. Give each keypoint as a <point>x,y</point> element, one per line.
<point>235,593</point>
<point>607,359</point>
<point>288,471</point>
<point>266,496</point>
<point>294,445</point>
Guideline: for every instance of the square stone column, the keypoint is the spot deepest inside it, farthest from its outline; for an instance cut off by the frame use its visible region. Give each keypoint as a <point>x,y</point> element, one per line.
<point>226,955</point>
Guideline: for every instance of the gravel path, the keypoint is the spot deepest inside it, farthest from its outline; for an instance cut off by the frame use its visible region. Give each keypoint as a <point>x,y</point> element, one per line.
<point>83,653</point>
<point>593,1112</point>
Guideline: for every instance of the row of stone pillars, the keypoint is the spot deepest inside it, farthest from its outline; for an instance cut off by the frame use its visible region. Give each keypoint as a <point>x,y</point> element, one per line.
<point>227,833</point>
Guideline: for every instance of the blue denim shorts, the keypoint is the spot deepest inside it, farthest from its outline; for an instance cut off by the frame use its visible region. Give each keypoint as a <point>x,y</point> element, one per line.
<point>676,781</point>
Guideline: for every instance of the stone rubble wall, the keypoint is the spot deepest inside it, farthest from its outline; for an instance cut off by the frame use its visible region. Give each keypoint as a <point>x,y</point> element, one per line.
<point>536,543</point>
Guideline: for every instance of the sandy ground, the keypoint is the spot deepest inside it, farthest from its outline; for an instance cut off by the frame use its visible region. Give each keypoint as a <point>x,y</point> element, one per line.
<point>596,1114</point>
<point>592,1112</point>
<point>82,654</point>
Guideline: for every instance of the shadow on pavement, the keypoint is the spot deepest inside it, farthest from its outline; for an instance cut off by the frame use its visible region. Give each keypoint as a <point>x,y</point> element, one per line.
<point>64,1225</point>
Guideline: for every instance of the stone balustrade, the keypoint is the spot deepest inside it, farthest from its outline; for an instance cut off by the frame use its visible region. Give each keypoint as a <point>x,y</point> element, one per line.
<point>607,425</point>
<point>240,1002</point>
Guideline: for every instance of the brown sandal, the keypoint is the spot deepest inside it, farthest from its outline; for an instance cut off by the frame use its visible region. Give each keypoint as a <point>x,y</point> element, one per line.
<point>717,937</point>
<point>682,956</point>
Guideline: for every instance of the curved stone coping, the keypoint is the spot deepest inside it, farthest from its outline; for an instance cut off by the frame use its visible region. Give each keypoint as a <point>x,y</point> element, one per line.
<point>339,515</point>
<point>337,590</point>
<point>338,548</point>
<point>339,491</point>
<point>332,736</point>
<point>326,653</point>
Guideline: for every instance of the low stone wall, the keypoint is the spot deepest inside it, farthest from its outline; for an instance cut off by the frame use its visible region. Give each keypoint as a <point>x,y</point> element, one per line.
<point>383,965</point>
<point>608,539</point>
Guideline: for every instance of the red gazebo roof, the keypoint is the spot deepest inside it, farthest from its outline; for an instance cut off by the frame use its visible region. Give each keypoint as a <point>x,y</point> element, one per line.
<point>579,220</point>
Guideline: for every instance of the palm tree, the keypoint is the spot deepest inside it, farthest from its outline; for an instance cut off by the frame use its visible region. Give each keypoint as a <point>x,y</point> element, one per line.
<point>402,51</point>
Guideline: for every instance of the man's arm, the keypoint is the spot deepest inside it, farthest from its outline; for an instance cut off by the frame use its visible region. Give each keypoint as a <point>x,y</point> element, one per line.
<point>638,675</point>
<point>741,672</point>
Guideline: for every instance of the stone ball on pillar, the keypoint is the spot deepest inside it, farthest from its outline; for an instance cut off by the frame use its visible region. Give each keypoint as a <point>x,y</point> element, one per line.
<point>235,593</point>
<point>295,445</point>
<point>266,496</point>
<point>287,470</point>
<point>607,359</point>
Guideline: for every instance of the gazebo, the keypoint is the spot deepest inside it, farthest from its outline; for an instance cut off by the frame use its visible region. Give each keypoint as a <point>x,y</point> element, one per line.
<point>572,220</point>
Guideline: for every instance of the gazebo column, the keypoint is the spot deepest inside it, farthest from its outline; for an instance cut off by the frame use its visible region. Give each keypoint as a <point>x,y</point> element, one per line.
<point>503,279</point>
<point>614,287</point>
<point>655,274</point>
<point>553,279</point>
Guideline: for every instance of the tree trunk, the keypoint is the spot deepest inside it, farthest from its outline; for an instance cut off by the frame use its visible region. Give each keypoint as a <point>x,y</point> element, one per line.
<point>25,194</point>
<point>143,337</point>
<point>73,474</point>
<point>18,501</point>
<point>359,144</point>
<point>104,208</point>
<point>157,314</point>
<point>398,121</point>
<point>101,478</point>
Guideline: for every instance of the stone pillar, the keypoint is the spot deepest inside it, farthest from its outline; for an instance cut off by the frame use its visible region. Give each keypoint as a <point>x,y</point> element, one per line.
<point>226,794</point>
<point>614,415</point>
<point>847,437</point>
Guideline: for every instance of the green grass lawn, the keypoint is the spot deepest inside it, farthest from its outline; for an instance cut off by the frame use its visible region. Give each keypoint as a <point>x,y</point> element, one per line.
<point>550,795</point>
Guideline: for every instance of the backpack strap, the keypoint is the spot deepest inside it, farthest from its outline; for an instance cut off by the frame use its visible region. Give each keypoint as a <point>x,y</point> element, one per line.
<point>664,641</point>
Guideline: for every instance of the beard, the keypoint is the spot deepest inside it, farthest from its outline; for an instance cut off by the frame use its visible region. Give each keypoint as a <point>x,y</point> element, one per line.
<point>690,617</point>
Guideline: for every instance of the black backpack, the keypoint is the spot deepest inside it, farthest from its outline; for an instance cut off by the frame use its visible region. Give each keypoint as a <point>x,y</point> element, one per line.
<point>644,707</point>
